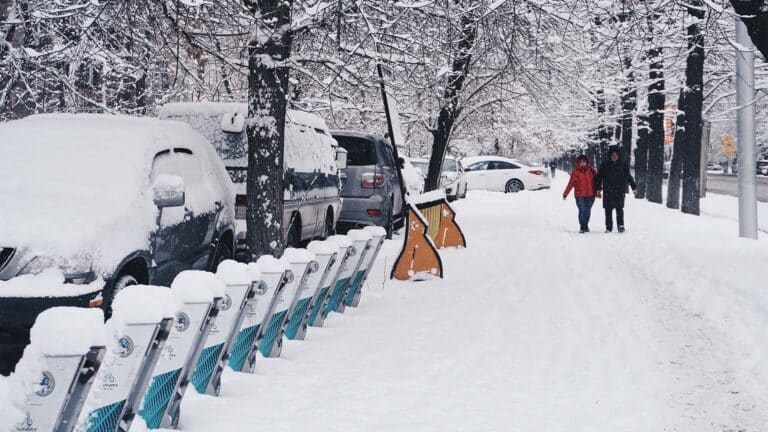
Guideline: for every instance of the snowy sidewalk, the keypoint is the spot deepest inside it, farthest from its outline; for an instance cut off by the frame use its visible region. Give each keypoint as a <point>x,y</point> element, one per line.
<point>534,328</point>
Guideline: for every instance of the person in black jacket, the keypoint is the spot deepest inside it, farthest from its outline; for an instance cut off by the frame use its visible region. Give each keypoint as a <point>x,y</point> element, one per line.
<point>611,182</point>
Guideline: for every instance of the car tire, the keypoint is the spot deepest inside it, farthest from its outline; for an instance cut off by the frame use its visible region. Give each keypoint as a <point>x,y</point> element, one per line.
<point>121,282</point>
<point>223,253</point>
<point>513,186</point>
<point>328,228</point>
<point>294,234</point>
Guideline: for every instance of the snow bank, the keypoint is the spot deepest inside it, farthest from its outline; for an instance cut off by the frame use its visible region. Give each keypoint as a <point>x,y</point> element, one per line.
<point>297,255</point>
<point>376,231</point>
<point>322,247</point>
<point>196,286</point>
<point>143,304</point>
<point>341,241</point>
<point>234,273</point>
<point>48,283</point>
<point>414,182</point>
<point>269,264</point>
<point>359,235</point>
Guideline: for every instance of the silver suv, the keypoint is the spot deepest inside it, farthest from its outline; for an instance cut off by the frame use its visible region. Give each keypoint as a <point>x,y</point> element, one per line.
<point>372,188</point>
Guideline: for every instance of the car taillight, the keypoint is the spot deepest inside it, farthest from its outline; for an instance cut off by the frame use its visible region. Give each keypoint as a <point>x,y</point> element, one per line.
<point>241,200</point>
<point>374,212</point>
<point>372,180</point>
<point>536,172</point>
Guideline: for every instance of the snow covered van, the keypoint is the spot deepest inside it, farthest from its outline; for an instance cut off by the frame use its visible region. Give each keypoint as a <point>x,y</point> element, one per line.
<point>311,161</point>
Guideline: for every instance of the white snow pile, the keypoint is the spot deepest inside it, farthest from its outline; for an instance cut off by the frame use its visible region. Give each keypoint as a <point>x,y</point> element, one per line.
<point>232,272</point>
<point>48,283</point>
<point>341,241</point>
<point>59,331</point>
<point>69,182</point>
<point>269,264</point>
<point>143,304</point>
<point>196,286</point>
<point>359,235</point>
<point>414,181</point>
<point>322,247</point>
<point>297,255</point>
<point>376,231</point>
<point>166,186</point>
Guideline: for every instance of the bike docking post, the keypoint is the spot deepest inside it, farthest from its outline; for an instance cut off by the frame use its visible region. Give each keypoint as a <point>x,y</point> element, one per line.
<point>342,245</point>
<point>347,253</point>
<point>239,291</point>
<point>296,325</point>
<point>361,241</point>
<point>378,234</point>
<point>56,370</point>
<point>298,261</point>
<point>198,295</point>
<point>317,286</point>
<point>272,280</point>
<point>141,322</point>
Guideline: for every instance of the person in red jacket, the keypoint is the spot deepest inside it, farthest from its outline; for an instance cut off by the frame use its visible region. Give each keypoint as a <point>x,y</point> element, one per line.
<point>582,183</point>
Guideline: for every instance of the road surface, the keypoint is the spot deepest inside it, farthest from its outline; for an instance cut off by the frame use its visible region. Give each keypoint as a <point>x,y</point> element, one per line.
<point>729,185</point>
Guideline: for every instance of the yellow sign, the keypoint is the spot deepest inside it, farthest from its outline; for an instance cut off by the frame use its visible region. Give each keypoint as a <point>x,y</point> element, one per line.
<point>729,146</point>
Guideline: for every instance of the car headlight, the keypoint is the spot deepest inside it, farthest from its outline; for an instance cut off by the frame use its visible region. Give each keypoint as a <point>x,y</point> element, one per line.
<point>77,270</point>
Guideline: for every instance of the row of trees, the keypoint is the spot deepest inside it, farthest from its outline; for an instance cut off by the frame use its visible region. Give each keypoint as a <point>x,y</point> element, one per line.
<point>524,78</point>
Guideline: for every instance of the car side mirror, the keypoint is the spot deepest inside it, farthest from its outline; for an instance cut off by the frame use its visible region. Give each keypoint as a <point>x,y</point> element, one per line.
<point>168,191</point>
<point>341,157</point>
<point>232,123</point>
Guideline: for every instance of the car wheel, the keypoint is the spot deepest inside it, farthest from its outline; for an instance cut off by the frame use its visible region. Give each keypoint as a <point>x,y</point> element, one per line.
<point>223,253</point>
<point>294,234</point>
<point>121,282</point>
<point>513,186</point>
<point>328,229</point>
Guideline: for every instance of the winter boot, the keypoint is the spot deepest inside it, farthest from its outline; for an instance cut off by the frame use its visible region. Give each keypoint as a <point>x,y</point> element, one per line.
<point>582,230</point>
<point>621,228</point>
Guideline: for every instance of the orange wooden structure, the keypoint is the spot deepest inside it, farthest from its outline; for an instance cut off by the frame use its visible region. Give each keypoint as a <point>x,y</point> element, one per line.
<point>443,229</point>
<point>419,255</point>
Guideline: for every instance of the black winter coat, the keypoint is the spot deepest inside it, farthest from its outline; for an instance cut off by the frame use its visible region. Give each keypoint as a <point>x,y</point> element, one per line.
<point>612,178</point>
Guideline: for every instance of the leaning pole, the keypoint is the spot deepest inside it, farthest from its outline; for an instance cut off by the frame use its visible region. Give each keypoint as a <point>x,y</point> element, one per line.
<point>745,125</point>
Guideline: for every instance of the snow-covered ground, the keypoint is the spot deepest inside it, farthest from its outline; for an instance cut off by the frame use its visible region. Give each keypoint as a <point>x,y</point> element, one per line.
<point>534,328</point>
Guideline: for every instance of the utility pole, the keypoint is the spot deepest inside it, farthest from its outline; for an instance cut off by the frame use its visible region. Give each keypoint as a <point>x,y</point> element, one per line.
<point>745,125</point>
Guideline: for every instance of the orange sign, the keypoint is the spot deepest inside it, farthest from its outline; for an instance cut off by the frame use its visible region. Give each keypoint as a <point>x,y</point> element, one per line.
<point>670,118</point>
<point>729,146</point>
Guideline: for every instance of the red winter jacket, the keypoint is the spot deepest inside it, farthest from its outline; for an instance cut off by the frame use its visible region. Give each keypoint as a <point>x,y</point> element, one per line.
<point>582,181</point>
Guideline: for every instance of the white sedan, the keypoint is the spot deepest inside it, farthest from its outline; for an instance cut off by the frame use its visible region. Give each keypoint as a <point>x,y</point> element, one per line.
<point>497,173</point>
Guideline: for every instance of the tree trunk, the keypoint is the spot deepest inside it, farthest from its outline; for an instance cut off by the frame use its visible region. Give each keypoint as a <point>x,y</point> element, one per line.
<point>757,23</point>
<point>694,81</point>
<point>655,172</point>
<point>641,156</point>
<point>450,109</point>
<point>676,167</point>
<point>267,89</point>
<point>628,105</point>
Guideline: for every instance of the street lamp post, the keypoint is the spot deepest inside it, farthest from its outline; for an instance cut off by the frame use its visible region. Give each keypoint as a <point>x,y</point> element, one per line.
<point>745,124</point>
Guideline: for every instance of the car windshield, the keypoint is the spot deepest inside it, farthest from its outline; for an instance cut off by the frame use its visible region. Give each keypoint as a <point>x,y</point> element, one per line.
<point>360,151</point>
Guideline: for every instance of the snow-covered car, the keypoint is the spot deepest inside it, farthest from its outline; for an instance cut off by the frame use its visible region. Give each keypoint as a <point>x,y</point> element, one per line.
<point>412,176</point>
<point>452,178</point>
<point>762,167</point>
<point>311,163</point>
<point>114,200</point>
<point>497,173</point>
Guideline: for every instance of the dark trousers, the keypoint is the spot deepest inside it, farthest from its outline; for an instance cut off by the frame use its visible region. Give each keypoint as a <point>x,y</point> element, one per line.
<point>609,217</point>
<point>553,172</point>
<point>585,209</point>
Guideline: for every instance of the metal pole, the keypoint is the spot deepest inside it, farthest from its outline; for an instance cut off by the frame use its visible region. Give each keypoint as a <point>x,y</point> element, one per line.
<point>745,122</point>
<point>705,132</point>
